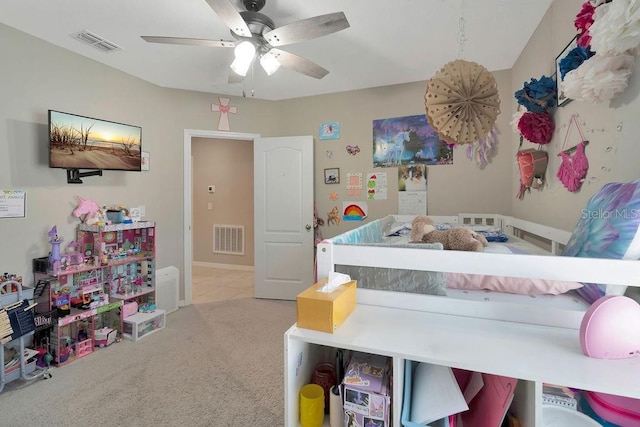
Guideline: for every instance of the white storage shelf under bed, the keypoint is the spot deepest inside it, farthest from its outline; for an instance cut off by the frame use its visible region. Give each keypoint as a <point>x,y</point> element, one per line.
<point>521,337</point>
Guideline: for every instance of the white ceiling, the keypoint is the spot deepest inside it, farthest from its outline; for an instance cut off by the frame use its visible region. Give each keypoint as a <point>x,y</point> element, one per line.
<point>388,42</point>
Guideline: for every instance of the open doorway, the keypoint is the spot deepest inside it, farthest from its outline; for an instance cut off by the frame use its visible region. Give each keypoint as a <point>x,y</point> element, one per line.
<point>189,136</point>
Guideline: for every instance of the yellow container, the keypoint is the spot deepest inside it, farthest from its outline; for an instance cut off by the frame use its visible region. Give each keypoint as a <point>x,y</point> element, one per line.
<point>325,311</point>
<point>311,405</point>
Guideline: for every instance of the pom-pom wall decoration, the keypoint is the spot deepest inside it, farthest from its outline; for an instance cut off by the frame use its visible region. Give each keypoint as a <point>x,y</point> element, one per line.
<point>538,95</point>
<point>574,59</point>
<point>537,127</point>
<point>583,22</point>
<point>516,119</point>
<point>616,27</point>
<point>598,79</point>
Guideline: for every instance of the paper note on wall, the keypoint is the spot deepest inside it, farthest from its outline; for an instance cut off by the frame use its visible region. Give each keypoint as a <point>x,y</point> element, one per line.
<point>377,186</point>
<point>354,184</point>
<point>412,203</point>
<point>12,203</point>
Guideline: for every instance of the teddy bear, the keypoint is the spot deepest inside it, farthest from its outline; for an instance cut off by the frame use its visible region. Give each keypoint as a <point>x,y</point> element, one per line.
<point>456,238</point>
<point>417,227</point>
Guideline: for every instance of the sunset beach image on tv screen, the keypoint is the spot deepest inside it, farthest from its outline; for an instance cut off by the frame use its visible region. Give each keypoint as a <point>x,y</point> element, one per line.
<point>78,142</point>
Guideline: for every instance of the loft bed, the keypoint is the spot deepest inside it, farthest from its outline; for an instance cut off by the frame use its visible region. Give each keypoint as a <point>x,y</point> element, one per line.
<point>370,252</point>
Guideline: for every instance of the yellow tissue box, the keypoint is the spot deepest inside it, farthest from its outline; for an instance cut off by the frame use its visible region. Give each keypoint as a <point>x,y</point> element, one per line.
<point>325,311</point>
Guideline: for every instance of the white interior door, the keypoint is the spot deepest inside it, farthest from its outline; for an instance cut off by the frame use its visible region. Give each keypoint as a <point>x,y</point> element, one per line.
<point>283,216</point>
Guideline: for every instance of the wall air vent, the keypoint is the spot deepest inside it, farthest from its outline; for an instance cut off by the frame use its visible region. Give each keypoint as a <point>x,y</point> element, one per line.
<point>96,41</point>
<point>228,239</point>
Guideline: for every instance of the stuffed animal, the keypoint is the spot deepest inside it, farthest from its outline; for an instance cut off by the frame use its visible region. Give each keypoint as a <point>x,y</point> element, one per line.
<point>456,238</point>
<point>417,227</point>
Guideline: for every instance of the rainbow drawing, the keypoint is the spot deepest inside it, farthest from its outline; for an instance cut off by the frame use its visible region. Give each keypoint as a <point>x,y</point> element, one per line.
<point>354,211</point>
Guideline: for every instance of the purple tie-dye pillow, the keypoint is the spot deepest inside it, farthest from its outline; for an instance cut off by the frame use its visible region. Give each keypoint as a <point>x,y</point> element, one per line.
<point>609,227</point>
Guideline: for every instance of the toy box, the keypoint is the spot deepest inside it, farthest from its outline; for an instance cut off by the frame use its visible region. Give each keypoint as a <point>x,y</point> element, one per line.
<point>367,390</point>
<point>325,311</point>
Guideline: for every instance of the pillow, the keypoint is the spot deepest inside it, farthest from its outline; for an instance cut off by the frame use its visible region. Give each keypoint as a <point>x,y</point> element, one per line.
<point>511,285</point>
<point>609,227</point>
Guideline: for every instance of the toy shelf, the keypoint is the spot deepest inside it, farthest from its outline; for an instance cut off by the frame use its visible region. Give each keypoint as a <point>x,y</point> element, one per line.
<point>72,339</point>
<point>116,227</point>
<point>131,295</point>
<point>83,268</point>
<point>112,265</point>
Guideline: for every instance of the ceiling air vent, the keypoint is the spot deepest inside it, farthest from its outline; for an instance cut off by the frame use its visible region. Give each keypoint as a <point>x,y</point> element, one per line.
<point>96,41</point>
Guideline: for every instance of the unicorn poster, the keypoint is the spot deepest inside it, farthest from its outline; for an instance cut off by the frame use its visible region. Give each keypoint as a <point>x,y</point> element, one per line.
<point>408,141</point>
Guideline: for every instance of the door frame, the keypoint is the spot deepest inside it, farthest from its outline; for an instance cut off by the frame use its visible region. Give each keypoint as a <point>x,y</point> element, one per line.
<point>187,211</point>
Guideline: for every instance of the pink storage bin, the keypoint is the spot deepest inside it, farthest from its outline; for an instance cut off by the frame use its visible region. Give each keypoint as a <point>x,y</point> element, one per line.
<point>624,411</point>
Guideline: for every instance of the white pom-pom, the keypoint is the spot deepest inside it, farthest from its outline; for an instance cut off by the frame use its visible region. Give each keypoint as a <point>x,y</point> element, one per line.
<point>599,78</point>
<point>516,118</point>
<point>616,27</point>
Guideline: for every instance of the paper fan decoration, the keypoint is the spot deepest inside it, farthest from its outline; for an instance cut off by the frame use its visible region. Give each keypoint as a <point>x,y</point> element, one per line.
<point>462,102</point>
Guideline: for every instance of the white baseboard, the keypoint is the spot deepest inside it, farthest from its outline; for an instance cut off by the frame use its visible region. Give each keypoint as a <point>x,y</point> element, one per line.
<point>224,266</point>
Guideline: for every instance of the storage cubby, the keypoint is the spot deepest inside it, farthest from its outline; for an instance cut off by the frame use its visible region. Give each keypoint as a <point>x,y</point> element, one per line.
<point>531,353</point>
<point>140,325</point>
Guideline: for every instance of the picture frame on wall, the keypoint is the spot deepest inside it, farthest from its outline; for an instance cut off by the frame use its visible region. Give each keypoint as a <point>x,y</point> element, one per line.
<point>562,98</point>
<point>332,176</point>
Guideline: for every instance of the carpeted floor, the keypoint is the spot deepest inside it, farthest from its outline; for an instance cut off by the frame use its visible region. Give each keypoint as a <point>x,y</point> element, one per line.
<point>216,364</point>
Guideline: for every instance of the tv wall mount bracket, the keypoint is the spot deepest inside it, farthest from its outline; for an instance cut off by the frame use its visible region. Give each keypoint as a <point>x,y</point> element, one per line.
<point>74,175</point>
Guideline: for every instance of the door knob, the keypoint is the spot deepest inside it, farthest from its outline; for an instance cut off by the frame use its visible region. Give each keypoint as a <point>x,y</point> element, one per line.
<point>308,227</point>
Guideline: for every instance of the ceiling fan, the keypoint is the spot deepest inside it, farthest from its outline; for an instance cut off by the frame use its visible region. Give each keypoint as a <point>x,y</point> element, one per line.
<point>256,37</point>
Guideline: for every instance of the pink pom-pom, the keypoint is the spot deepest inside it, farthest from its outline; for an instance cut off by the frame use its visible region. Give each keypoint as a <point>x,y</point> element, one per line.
<point>537,127</point>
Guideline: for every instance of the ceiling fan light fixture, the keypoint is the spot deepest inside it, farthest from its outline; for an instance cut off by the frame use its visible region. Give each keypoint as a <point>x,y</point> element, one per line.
<point>244,53</point>
<point>269,63</point>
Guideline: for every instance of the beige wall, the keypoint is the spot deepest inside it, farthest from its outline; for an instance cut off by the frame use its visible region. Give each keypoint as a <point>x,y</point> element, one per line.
<point>451,188</point>
<point>227,164</point>
<point>612,127</point>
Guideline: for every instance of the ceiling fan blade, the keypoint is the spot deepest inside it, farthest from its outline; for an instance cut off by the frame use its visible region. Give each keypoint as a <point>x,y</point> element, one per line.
<point>230,16</point>
<point>188,41</point>
<point>307,29</point>
<point>235,77</point>
<point>299,64</point>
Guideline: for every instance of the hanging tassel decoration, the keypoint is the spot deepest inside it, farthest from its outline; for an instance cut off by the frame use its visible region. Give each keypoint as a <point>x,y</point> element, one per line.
<point>482,151</point>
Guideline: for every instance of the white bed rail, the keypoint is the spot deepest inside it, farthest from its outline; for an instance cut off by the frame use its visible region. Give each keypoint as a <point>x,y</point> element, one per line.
<point>602,271</point>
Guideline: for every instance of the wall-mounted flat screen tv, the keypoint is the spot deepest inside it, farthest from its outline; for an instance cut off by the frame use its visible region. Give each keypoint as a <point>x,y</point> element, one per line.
<point>79,142</point>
